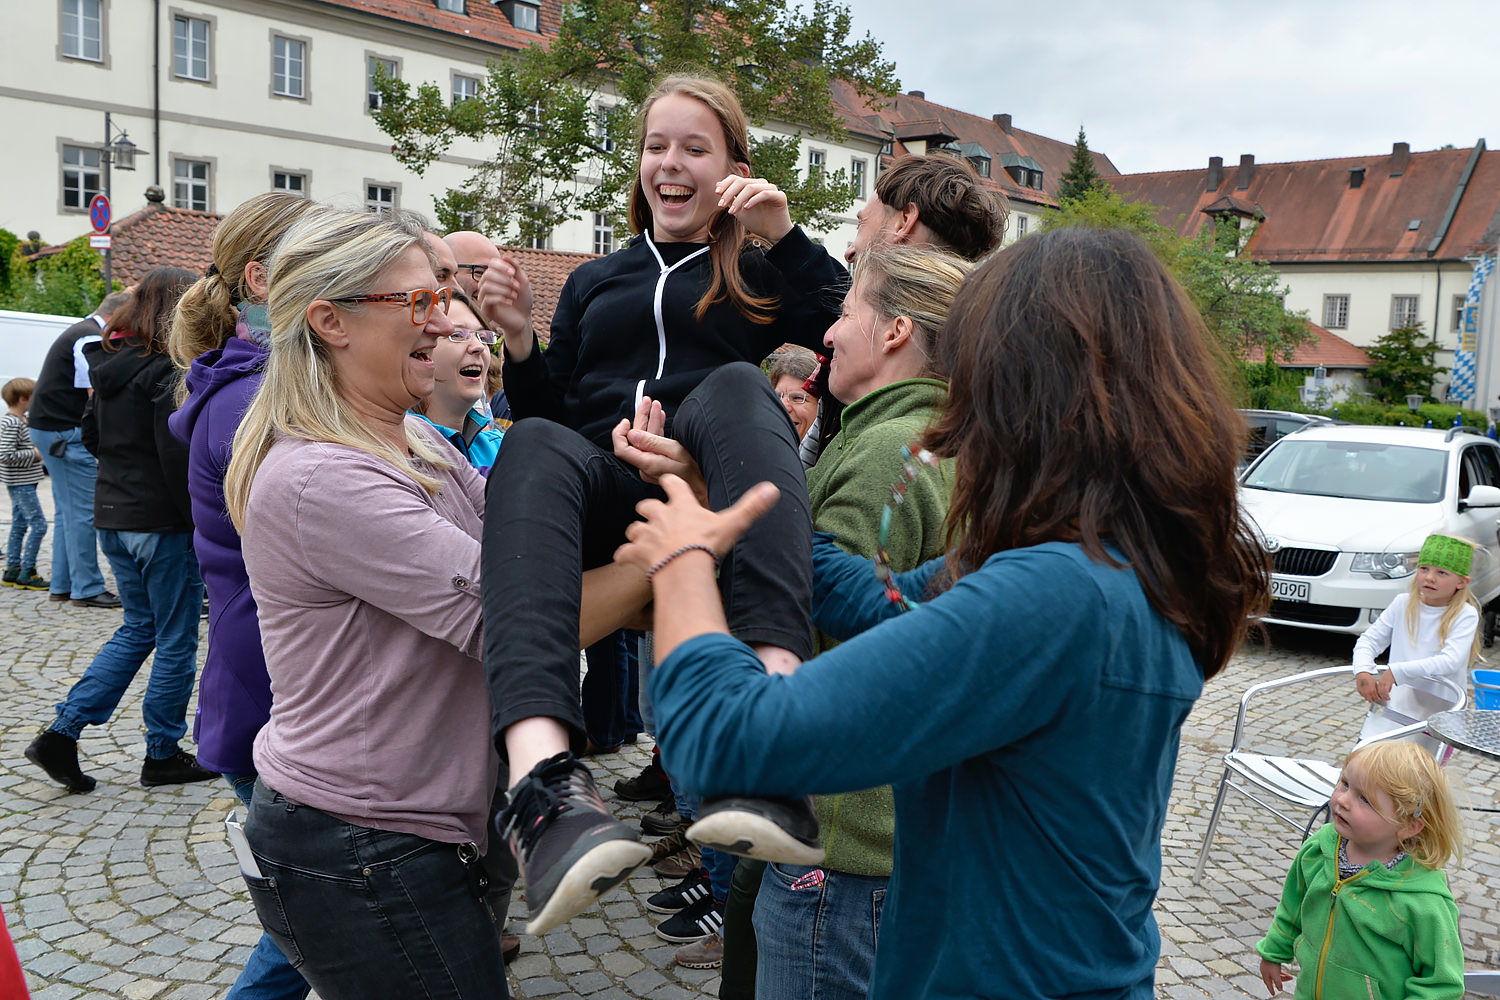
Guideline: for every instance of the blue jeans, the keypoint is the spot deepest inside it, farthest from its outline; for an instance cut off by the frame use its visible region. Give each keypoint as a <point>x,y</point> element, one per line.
<point>75,560</point>
<point>25,513</point>
<point>608,691</point>
<point>161,596</point>
<point>267,974</point>
<point>370,914</point>
<point>817,940</point>
<point>719,864</point>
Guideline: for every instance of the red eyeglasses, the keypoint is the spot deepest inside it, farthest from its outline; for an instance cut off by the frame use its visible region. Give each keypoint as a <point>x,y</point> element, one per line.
<point>421,300</point>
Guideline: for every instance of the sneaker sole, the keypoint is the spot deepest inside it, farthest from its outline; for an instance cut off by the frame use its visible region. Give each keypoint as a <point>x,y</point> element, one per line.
<point>706,964</point>
<point>695,936</point>
<point>590,877</point>
<point>752,836</point>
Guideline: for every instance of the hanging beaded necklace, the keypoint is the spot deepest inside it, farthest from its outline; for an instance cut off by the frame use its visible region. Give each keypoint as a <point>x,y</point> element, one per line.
<point>913,458</point>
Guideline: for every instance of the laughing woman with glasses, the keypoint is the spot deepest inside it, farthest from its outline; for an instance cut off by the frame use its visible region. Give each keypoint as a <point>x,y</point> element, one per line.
<point>461,363</point>
<point>361,539</point>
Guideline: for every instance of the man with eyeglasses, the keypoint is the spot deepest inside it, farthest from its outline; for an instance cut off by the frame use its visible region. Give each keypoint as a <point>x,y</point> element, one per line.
<point>473,253</point>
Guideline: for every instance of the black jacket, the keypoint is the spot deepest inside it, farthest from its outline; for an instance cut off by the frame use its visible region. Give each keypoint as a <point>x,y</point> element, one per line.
<point>56,405</point>
<point>142,484</point>
<point>608,347</point>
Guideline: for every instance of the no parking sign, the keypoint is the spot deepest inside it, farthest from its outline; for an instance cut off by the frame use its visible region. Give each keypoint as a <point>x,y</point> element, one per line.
<point>99,213</point>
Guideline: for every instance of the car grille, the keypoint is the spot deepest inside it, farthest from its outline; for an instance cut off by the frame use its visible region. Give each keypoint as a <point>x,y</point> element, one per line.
<point>1314,614</point>
<point>1303,562</point>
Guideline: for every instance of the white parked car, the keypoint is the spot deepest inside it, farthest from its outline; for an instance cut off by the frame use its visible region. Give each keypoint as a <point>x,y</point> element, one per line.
<point>1343,510</point>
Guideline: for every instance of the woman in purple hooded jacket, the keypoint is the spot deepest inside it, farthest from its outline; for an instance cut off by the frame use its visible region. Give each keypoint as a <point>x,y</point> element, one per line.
<point>220,334</point>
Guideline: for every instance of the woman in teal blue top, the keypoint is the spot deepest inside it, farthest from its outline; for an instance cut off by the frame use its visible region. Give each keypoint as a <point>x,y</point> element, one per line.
<point>1028,709</point>
<point>460,379</point>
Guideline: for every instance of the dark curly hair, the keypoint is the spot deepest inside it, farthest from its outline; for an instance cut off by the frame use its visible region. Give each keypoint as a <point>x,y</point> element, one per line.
<point>1087,405</point>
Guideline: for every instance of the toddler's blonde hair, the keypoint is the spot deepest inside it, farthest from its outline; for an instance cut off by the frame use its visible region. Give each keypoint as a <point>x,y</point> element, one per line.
<point>1408,773</point>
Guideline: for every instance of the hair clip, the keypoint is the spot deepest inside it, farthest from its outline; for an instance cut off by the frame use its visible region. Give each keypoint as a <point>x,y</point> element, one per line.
<point>1417,812</point>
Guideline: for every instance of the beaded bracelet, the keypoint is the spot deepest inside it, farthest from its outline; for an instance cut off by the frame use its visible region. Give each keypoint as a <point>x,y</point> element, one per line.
<point>662,562</point>
<point>912,458</point>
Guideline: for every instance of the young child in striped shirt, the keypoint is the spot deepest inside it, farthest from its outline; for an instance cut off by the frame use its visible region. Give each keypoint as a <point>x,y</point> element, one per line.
<point>20,471</point>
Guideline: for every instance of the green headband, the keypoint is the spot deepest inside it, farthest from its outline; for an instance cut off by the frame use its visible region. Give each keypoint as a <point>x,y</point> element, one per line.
<point>1445,552</point>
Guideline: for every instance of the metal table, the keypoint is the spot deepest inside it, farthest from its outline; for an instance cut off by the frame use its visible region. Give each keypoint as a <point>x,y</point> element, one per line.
<point>1476,730</point>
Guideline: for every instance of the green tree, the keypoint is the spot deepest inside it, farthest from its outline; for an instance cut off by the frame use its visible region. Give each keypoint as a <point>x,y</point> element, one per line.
<point>560,117</point>
<point>1240,298</point>
<point>1404,364</point>
<point>1081,177</point>
<point>67,283</point>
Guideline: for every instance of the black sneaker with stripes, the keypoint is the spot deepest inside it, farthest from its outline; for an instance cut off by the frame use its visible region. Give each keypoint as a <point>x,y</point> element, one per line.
<point>695,922</point>
<point>678,897</point>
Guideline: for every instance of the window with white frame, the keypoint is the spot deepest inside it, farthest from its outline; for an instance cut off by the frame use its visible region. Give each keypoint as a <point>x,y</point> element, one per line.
<point>858,170</point>
<point>190,48</point>
<point>80,176</point>
<point>288,67</point>
<point>190,179</point>
<point>374,65</point>
<point>1335,312</point>
<point>817,159</point>
<point>603,114</point>
<point>1458,313</point>
<point>981,165</point>
<point>380,198</point>
<point>1403,310</point>
<point>540,241</point>
<point>604,235</point>
<point>456,6</point>
<point>83,30</point>
<point>290,181</point>
<point>523,14</point>
<point>1022,222</point>
<point>465,87</point>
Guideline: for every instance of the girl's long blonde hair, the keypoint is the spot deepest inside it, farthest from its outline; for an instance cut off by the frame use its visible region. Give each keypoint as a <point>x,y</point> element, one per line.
<point>1464,595</point>
<point>325,255</point>
<point>1410,775</point>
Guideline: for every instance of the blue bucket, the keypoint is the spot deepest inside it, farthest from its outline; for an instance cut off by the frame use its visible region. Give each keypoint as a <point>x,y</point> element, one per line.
<point>1487,689</point>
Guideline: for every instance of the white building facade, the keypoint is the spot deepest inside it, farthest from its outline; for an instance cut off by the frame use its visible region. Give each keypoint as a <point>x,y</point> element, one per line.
<point>230,98</point>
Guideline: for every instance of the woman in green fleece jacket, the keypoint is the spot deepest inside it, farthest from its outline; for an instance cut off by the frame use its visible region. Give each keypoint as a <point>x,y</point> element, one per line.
<point>1366,910</point>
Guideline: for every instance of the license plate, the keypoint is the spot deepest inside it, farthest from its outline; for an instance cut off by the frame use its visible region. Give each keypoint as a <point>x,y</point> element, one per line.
<point>1288,590</point>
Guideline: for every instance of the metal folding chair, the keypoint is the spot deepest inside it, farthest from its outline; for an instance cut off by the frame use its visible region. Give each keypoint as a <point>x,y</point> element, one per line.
<point>1304,782</point>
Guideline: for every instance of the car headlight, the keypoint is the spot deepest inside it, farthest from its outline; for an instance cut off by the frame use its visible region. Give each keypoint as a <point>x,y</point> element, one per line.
<point>1385,565</point>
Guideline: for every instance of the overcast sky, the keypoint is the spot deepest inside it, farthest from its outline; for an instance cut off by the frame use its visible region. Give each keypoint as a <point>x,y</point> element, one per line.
<point>1165,84</point>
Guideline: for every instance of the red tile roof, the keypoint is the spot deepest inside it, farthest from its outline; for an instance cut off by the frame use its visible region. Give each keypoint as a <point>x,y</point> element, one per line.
<point>1314,212</point>
<point>546,270</point>
<point>158,236</point>
<point>907,116</point>
<point>1321,348</point>
<point>482,20</point>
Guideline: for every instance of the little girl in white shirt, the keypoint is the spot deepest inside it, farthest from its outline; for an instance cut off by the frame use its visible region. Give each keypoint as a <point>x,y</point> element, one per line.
<point>1433,635</point>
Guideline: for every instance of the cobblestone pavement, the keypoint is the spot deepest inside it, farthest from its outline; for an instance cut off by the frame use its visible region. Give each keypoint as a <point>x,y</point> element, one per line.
<point>133,892</point>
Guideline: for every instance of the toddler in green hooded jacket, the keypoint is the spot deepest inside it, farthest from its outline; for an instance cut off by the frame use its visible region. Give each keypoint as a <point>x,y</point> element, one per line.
<point>1366,910</point>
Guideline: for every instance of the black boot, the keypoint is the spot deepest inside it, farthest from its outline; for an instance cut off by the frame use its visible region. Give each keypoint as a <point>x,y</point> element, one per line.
<point>58,756</point>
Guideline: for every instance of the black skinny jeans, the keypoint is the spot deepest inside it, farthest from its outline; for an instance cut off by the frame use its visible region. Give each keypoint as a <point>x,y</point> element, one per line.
<point>558,504</point>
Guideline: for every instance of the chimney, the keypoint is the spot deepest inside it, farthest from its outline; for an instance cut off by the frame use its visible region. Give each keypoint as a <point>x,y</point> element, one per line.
<point>1400,153</point>
<point>1004,122</point>
<point>1215,173</point>
<point>1247,171</point>
<point>1356,177</point>
<point>918,94</point>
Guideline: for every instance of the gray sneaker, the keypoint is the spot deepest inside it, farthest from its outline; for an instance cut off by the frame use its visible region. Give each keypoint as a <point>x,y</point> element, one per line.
<point>570,849</point>
<point>784,830</point>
